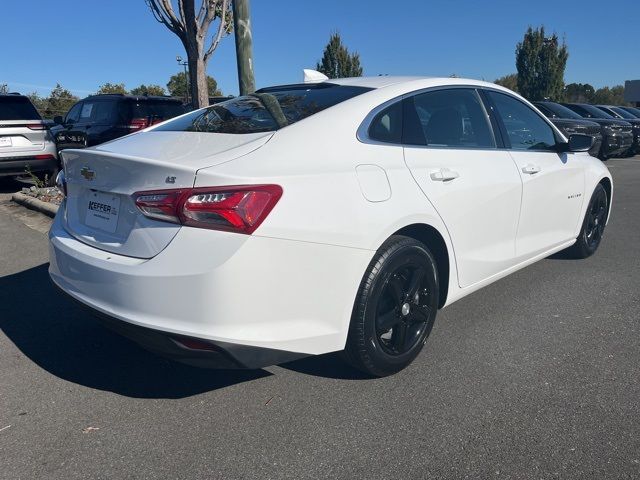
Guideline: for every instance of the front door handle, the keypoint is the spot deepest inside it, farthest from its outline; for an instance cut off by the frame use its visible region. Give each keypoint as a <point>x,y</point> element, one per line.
<point>531,169</point>
<point>444,175</point>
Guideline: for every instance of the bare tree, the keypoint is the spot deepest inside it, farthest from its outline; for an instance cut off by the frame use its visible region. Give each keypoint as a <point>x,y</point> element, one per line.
<point>192,31</point>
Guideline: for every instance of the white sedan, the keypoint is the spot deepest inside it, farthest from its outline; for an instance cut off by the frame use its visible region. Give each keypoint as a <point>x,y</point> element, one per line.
<point>336,215</point>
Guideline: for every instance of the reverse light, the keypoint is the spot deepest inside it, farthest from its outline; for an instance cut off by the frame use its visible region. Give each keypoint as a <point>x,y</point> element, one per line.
<point>240,208</point>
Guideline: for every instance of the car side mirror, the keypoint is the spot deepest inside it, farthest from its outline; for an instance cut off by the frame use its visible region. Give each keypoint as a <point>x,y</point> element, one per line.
<point>577,143</point>
<point>58,120</point>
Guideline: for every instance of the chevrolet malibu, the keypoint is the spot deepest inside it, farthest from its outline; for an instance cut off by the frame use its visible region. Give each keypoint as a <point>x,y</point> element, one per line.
<point>334,215</point>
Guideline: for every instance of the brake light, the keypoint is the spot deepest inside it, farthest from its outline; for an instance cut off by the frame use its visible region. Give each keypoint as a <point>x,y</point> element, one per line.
<point>45,156</point>
<point>36,126</point>
<point>138,123</point>
<point>238,209</point>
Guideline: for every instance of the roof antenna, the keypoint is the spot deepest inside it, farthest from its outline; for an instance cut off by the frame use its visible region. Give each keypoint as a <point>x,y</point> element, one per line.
<point>313,76</point>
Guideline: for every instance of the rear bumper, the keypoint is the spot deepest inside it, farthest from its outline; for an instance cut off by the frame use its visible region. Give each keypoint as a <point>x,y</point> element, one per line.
<point>257,300</point>
<point>19,165</point>
<point>202,353</point>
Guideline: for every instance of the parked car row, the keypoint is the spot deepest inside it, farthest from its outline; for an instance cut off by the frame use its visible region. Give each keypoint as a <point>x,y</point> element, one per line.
<point>29,143</point>
<point>616,130</point>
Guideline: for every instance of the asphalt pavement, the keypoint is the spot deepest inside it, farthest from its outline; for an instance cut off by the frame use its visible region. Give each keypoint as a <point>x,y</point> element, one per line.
<point>535,376</point>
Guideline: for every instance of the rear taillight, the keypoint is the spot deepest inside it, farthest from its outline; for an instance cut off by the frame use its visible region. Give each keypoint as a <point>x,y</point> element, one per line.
<point>238,209</point>
<point>138,123</point>
<point>36,126</point>
<point>44,156</point>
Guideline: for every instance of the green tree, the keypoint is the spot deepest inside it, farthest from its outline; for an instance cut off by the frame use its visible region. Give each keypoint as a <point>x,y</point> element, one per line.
<point>39,102</point>
<point>59,101</point>
<point>177,86</point>
<point>508,81</point>
<point>148,90</point>
<point>609,96</point>
<point>112,88</point>
<point>541,62</point>
<point>337,62</point>
<point>579,93</point>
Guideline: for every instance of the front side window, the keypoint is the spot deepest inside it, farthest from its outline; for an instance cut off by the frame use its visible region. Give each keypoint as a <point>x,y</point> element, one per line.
<point>264,111</point>
<point>74,113</point>
<point>447,118</point>
<point>526,130</point>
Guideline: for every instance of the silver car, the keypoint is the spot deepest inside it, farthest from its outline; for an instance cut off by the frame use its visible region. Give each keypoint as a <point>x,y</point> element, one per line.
<point>26,144</point>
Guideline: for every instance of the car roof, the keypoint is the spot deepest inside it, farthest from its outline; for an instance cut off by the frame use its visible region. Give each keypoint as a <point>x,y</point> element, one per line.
<point>131,97</point>
<point>375,83</point>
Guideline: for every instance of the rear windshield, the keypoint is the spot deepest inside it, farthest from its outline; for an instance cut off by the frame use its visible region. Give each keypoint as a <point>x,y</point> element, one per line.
<point>159,109</point>
<point>264,111</point>
<point>17,108</point>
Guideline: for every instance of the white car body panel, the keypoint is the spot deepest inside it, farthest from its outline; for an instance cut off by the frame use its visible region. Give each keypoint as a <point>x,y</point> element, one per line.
<point>291,285</point>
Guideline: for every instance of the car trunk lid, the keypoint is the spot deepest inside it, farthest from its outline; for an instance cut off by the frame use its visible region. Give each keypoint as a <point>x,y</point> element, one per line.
<point>100,209</point>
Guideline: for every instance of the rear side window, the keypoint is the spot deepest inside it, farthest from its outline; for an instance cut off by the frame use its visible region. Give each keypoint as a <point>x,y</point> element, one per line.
<point>526,129</point>
<point>447,118</point>
<point>387,125</point>
<point>14,107</point>
<point>264,111</point>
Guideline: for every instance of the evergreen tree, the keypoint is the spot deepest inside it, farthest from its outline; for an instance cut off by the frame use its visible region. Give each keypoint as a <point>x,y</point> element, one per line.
<point>59,101</point>
<point>541,62</point>
<point>337,62</point>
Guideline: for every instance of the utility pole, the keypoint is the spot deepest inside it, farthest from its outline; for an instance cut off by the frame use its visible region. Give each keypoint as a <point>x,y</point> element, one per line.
<point>244,46</point>
<point>186,77</point>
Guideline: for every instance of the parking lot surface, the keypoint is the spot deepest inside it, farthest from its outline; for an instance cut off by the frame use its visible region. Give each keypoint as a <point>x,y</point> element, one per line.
<point>535,376</point>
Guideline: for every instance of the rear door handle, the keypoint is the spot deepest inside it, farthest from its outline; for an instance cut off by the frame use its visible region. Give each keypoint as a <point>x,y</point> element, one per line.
<point>444,175</point>
<point>531,169</point>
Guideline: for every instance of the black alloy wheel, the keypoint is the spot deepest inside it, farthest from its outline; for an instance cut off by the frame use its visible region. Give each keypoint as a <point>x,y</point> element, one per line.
<point>395,308</point>
<point>593,225</point>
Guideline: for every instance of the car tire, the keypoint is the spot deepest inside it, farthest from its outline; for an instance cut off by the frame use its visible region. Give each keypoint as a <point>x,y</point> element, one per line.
<point>593,225</point>
<point>395,308</point>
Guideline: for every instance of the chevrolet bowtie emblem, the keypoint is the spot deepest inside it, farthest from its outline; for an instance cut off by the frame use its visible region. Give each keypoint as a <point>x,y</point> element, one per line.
<point>87,173</point>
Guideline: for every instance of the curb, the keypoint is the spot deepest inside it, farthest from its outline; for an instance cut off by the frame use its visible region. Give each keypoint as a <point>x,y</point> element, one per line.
<point>32,203</point>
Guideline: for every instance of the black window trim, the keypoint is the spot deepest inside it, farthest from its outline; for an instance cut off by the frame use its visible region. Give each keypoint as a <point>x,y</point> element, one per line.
<point>362,134</point>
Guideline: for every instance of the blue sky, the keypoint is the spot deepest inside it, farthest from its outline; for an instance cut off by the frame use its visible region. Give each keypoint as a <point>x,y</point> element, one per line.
<point>84,43</point>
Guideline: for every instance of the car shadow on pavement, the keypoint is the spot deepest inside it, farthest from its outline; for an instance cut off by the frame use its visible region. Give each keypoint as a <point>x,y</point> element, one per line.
<point>66,341</point>
<point>330,365</point>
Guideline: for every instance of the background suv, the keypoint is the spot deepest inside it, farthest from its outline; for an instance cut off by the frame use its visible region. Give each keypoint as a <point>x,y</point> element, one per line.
<point>617,112</point>
<point>100,118</point>
<point>618,134</point>
<point>569,122</point>
<point>25,140</point>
